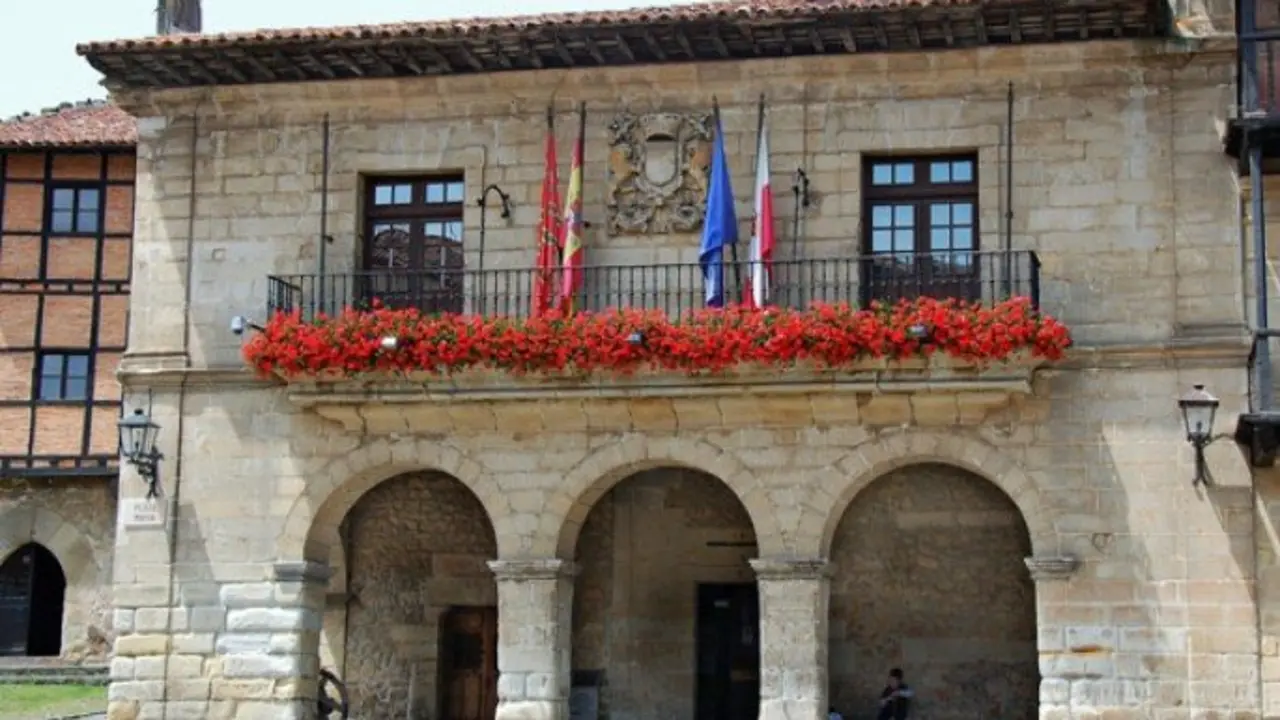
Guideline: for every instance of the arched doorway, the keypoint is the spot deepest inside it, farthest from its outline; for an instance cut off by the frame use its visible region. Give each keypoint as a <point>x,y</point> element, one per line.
<point>421,607</point>
<point>929,576</point>
<point>32,595</point>
<point>666,614</point>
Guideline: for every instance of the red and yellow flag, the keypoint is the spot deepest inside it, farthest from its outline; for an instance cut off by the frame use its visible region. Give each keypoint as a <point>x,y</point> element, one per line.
<point>571,260</point>
<point>549,230</point>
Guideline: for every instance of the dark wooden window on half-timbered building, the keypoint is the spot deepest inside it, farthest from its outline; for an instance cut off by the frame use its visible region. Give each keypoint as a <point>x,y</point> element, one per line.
<point>413,253</point>
<point>920,228</point>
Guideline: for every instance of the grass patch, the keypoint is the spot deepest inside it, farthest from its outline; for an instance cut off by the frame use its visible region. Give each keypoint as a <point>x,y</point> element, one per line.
<point>31,702</point>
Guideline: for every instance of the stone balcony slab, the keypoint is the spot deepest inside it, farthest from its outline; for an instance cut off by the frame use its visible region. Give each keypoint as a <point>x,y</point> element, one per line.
<point>937,391</point>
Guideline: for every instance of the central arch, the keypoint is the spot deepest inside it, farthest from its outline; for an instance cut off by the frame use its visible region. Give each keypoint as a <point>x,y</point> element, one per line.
<point>665,612</point>
<point>600,471</point>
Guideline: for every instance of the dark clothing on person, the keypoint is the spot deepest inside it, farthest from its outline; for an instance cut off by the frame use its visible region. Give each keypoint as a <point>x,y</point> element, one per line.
<point>895,709</point>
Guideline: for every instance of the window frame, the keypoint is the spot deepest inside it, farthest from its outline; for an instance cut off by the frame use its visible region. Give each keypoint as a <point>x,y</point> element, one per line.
<point>63,376</point>
<point>921,194</point>
<point>418,213</point>
<point>76,188</point>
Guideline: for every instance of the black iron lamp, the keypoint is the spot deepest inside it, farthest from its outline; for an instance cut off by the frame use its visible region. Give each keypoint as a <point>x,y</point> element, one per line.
<point>1199,408</point>
<point>138,435</point>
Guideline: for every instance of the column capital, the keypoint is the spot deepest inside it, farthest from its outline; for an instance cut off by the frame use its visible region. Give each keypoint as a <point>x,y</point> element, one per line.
<point>533,569</point>
<point>1052,567</point>
<point>303,571</point>
<point>791,569</point>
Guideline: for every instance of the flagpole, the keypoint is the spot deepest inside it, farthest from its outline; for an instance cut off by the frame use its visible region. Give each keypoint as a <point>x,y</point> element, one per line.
<point>733,247</point>
<point>755,201</point>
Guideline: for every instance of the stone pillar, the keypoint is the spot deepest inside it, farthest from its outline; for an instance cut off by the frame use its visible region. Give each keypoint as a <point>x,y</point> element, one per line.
<point>794,598</point>
<point>268,648</point>
<point>1055,680</point>
<point>535,620</point>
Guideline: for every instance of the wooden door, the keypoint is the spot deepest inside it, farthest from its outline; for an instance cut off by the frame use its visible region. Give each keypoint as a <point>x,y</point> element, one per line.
<point>469,653</point>
<point>728,652</point>
<point>15,601</point>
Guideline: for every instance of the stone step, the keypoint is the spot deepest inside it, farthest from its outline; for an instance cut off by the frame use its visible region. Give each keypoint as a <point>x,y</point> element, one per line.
<point>25,672</point>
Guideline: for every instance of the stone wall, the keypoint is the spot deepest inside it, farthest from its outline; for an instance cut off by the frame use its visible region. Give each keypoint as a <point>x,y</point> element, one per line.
<point>1118,183</point>
<point>74,520</point>
<point>419,544</point>
<point>929,576</point>
<point>1134,242</point>
<point>644,549</point>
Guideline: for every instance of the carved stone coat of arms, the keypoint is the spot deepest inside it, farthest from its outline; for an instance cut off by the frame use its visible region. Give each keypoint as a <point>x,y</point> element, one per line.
<point>659,167</point>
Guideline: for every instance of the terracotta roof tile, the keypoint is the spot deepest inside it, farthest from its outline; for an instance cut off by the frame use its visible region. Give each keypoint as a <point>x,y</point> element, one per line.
<point>70,125</point>
<point>716,10</point>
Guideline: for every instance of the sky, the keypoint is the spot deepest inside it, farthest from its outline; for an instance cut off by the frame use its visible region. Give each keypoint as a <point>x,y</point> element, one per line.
<point>38,39</point>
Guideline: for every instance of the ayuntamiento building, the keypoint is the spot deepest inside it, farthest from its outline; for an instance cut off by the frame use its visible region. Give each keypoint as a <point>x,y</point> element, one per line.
<point>1025,541</point>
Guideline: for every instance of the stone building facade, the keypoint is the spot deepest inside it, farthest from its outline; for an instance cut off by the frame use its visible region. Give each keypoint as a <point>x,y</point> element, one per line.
<point>66,225</point>
<point>1022,544</point>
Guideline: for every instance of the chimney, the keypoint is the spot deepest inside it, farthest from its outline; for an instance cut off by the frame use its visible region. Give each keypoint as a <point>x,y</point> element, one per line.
<point>178,16</point>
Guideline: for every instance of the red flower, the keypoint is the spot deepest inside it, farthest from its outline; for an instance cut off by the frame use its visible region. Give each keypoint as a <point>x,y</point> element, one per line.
<point>626,340</point>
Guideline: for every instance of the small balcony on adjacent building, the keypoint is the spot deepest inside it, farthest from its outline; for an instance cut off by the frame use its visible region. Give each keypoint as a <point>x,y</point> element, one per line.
<point>984,277</point>
<point>1256,122</point>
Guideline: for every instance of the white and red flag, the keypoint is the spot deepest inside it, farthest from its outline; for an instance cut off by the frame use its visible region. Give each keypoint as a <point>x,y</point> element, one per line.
<point>756,291</point>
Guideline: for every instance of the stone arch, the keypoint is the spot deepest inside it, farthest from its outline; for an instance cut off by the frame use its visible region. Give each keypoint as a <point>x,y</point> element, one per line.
<point>330,491</point>
<point>875,458</point>
<point>35,524</point>
<point>600,471</point>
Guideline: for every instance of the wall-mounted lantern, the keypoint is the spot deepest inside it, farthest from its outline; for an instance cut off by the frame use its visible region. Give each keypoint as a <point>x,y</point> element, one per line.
<point>138,435</point>
<point>1199,408</point>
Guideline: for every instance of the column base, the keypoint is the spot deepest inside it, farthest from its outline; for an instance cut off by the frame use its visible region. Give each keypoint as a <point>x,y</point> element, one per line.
<point>784,709</point>
<point>532,710</point>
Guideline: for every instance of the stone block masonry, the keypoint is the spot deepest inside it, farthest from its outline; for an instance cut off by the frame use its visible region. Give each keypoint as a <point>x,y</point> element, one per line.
<point>1067,511</point>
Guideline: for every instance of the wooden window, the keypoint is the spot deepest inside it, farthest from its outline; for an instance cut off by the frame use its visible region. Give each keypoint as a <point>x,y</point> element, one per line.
<point>920,227</point>
<point>74,210</point>
<point>413,242</point>
<point>63,376</point>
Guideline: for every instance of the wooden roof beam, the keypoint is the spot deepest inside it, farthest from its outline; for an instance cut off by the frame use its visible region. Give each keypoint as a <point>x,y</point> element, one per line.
<point>847,39</point>
<point>654,46</point>
<point>624,47</point>
<point>229,65</point>
<point>593,50</point>
<point>685,46</point>
<point>948,32</point>
<point>530,52</point>
<point>258,66</point>
<point>718,43</point>
<point>1015,26</point>
<point>288,64</point>
<point>470,57</point>
<point>380,62</point>
<point>980,28</point>
<point>913,33</point>
<point>1117,28</point>
<point>562,52</point>
<point>439,58</point>
<point>349,63</point>
<point>408,60</point>
<point>148,76</point>
<point>816,41</point>
<point>503,60</point>
<point>321,67</point>
<point>1050,22</point>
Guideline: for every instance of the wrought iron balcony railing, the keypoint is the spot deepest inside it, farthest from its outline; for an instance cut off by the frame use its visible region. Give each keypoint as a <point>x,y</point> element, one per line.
<point>674,288</point>
<point>1259,74</point>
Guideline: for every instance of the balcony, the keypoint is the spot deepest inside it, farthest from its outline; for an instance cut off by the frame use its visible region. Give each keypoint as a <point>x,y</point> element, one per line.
<point>395,389</point>
<point>986,277</point>
<point>1257,120</point>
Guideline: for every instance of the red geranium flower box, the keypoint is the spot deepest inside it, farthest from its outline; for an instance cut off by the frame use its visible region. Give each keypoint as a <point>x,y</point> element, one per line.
<point>627,341</point>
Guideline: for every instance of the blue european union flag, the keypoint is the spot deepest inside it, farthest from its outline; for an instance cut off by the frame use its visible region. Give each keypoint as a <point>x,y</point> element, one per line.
<point>720,228</point>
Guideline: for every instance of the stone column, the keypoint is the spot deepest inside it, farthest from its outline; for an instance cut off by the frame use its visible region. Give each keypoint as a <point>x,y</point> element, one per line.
<point>794,597</point>
<point>268,648</point>
<point>1055,680</point>
<point>535,619</point>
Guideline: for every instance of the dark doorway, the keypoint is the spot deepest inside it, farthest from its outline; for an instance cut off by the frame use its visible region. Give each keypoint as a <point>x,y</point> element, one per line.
<point>728,652</point>
<point>32,591</point>
<point>469,677</point>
